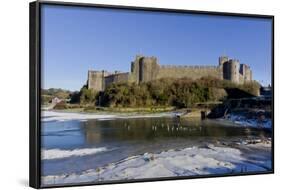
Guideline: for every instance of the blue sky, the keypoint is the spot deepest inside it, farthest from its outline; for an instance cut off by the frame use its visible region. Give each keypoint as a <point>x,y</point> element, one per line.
<point>76,39</point>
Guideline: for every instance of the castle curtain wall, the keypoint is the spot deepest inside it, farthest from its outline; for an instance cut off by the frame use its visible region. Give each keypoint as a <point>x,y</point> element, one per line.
<point>115,78</point>
<point>193,72</point>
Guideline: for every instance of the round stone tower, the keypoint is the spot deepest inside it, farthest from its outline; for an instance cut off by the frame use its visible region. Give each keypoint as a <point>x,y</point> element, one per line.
<point>223,60</point>
<point>234,66</point>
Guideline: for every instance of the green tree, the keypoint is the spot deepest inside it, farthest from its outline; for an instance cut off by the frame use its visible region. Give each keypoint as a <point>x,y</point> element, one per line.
<point>87,96</point>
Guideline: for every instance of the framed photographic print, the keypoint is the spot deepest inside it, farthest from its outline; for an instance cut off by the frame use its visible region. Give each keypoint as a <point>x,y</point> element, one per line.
<point>131,94</point>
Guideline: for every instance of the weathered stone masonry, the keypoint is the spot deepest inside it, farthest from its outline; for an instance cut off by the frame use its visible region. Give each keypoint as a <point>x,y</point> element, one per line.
<point>144,69</point>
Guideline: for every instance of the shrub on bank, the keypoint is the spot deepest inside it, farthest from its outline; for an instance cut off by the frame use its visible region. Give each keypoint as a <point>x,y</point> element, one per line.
<point>60,106</point>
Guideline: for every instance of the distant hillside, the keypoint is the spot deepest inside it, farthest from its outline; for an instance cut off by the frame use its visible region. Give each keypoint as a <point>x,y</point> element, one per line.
<point>48,94</point>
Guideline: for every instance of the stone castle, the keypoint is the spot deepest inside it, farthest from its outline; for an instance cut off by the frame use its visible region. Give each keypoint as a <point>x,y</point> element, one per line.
<point>144,69</point>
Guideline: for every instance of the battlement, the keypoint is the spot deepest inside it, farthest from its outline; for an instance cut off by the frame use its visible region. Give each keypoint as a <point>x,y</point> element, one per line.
<point>117,74</point>
<point>189,66</point>
<point>234,60</point>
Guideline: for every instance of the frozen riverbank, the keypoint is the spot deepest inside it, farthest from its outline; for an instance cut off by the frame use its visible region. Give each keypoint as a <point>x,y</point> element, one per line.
<point>67,116</point>
<point>192,161</point>
<point>235,119</point>
<point>242,120</point>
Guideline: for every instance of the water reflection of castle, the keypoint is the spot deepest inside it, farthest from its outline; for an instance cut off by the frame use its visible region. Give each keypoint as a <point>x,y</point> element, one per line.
<point>144,69</point>
<point>118,130</point>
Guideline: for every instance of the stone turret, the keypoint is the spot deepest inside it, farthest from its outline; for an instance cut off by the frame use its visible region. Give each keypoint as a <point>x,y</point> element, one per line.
<point>135,69</point>
<point>148,69</point>
<point>234,67</point>
<point>222,61</point>
<point>144,69</point>
<point>247,74</point>
<point>96,80</point>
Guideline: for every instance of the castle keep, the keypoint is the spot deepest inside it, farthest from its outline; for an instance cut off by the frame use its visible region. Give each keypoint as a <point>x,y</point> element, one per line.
<point>144,69</point>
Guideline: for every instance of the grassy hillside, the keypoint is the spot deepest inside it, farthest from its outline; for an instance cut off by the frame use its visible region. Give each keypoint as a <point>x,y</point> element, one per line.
<point>48,94</point>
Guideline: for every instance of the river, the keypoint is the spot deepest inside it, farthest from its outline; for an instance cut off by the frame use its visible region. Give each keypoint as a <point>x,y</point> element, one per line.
<point>74,146</point>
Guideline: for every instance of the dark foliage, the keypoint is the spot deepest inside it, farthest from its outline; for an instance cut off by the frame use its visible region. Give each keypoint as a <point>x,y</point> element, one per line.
<point>183,92</point>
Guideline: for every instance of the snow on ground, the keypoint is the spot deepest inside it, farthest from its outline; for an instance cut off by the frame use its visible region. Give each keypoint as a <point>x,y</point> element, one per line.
<point>57,153</point>
<point>66,116</point>
<point>186,162</point>
<point>247,122</point>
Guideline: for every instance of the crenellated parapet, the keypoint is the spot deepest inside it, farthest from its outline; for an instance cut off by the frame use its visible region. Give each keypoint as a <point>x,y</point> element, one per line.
<point>189,66</point>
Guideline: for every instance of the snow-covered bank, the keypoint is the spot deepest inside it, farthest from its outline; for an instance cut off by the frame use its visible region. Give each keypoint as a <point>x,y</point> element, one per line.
<point>67,116</point>
<point>57,153</point>
<point>249,122</point>
<point>196,160</point>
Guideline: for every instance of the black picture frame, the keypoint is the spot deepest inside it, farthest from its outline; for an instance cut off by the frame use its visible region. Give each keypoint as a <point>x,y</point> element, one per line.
<point>35,86</point>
